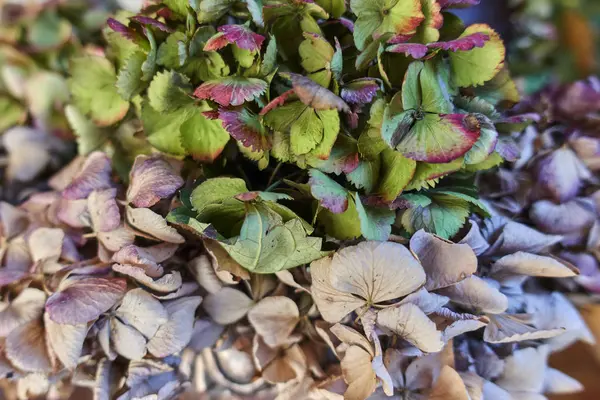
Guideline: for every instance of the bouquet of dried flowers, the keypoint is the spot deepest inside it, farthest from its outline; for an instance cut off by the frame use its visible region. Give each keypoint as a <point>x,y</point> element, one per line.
<point>262,207</point>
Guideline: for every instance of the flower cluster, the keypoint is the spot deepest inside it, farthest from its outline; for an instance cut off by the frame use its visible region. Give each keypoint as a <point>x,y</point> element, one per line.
<point>554,186</point>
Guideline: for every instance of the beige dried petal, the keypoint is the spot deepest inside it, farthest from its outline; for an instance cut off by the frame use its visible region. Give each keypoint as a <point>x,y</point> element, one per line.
<point>117,239</point>
<point>26,349</point>
<point>205,334</point>
<point>66,341</point>
<point>102,387</point>
<point>476,294</point>
<point>139,257</point>
<point>175,334</point>
<point>411,324</point>
<point>462,326</point>
<point>227,268</point>
<point>445,263</point>
<point>291,364</point>
<point>149,222</point>
<point>27,306</point>
<point>426,301</point>
<point>376,271</point>
<point>358,374</point>
<point>165,284</point>
<point>507,237</point>
<point>352,337</point>
<point>142,311</point>
<point>557,382</point>
<point>104,211</point>
<point>126,340</point>
<point>286,277</point>
<point>474,238</point>
<point>46,244</point>
<point>227,305</point>
<point>525,370</point>
<point>104,340</point>
<point>512,269</point>
<point>13,220</point>
<point>448,386</point>
<point>506,328</point>
<point>205,274</point>
<point>274,318</point>
<point>236,365</point>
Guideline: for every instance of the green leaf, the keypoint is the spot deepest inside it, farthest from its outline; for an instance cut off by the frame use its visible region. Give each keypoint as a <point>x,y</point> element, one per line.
<point>335,8</point>
<point>486,143</point>
<point>169,91</point>
<point>479,65</point>
<point>480,208</point>
<point>129,80</point>
<point>331,195</point>
<point>89,136</point>
<point>501,88</point>
<point>11,113</point>
<point>375,223</point>
<point>316,56</point>
<point>177,6</point>
<point>344,226</point>
<point>366,175</point>
<point>168,52</point>
<point>48,30</point>
<point>215,191</point>
<point>269,62</point>
<point>306,132</point>
<point>396,172</point>
<point>245,58</point>
<point>378,17</point>
<point>435,91</point>
<point>428,31</point>
<point>443,217</point>
<point>162,130</point>
<point>92,85</point>
<point>202,138</point>
<point>256,10</point>
<point>427,174</point>
<point>411,89</point>
<point>370,142</point>
<point>492,161</point>
<point>149,66</point>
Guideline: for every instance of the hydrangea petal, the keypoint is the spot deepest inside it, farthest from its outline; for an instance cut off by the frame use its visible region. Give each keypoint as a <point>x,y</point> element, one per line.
<point>231,91</point>
<point>152,179</point>
<point>464,43</point>
<point>94,175</point>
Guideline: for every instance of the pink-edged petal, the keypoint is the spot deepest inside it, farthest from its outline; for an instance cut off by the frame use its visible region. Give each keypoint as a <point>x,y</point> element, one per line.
<point>560,174</point>
<point>143,20</point>
<point>152,179</point>
<point>120,28</point>
<point>232,90</point>
<point>316,96</point>
<point>104,211</point>
<point>465,43</point>
<point>457,3</point>
<point>94,175</point>
<point>81,300</point>
<point>331,194</point>
<point>399,39</point>
<point>414,50</point>
<point>277,102</point>
<point>245,127</point>
<point>240,35</point>
<point>360,91</point>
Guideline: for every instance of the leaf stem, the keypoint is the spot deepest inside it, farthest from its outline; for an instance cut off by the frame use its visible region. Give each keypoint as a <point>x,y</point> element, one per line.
<point>275,171</point>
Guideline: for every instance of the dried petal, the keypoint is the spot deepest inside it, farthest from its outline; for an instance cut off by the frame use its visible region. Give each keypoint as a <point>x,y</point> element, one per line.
<point>94,175</point>
<point>142,311</point>
<point>149,222</point>
<point>152,179</point>
<point>227,305</point>
<point>66,341</point>
<point>104,210</point>
<point>274,318</point>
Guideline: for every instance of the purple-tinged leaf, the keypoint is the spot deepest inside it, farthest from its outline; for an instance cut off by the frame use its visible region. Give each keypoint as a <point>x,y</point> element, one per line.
<point>240,35</point>
<point>104,211</point>
<point>465,43</point>
<point>316,96</point>
<point>560,174</point>
<point>152,179</point>
<point>232,90</point>
<point>143,20</point>
<point>399,39</point>
<point>94,175</point>
<point>277,102</point>
<point>330,194</point>
<point>81,300</point>
<point>457,3</point>
<point>360,91</point>
<point>414,50</point>
<point>245,127</point>
<point>120,28</point>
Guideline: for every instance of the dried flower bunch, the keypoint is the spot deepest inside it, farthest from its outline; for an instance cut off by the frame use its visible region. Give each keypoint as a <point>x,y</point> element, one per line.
<point>554,186</point>
<point>101,292</point>
<point>271,200</point>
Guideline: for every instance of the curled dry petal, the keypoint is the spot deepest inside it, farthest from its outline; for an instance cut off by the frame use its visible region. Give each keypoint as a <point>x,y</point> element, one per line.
<point>165,284</point>
<point>507,237</point>
<point>476,294</point>
<point>175,334</point>
<point>142,311</point>
<point>26,348</point>
<point>147,221</point>
<point>27,306</point>
<point>66,341</point>
<point>104,210</point>
<point>560,174</point>
<point>274,319</point>
<point>448,386</point>
<point>46,244</point>
<point>513,269</point>
<point>524,370</point>
<point>81,300</point>
<point>411,324</point>
<point>572,216</point>
<point>475,239</point>
<point>227,305</point>
<point>12,220</point>
<point>94,175</point>
<point>368,273</point>
<point>358,373</point>
<point>126,340</point>
<point>140,257</point>
<point>316,96</point>
<point>507,328</point>
<point>152,179</point>
<point>445,263</point>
